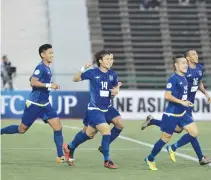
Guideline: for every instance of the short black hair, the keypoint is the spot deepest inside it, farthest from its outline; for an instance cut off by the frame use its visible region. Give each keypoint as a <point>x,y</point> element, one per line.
<point>99,55</point>
<point>4,57</point>
<point>176,58</point>
<point>187,52</point>
<point>43,48</point>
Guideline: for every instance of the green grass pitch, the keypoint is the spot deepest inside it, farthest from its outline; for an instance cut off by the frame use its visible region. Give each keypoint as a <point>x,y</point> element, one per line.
<point>32,156</point>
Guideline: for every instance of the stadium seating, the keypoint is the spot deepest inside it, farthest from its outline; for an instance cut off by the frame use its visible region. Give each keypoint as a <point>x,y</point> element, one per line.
<point>144,41</point>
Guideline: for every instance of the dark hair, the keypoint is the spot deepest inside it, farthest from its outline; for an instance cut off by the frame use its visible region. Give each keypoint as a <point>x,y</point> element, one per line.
<point>187,52</point>
<point>176,58</point>
<point>4,56</point>
<point>99,55</point>
<point>43,48</point>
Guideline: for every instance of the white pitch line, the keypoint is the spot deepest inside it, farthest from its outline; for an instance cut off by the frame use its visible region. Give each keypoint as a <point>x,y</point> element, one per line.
<point>139,142</point>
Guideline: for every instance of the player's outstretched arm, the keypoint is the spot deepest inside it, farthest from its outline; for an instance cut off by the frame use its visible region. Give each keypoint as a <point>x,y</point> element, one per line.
<point>34,82</point>
<point>77,76</point>
<point>203,90</point>
<point>170,97</point>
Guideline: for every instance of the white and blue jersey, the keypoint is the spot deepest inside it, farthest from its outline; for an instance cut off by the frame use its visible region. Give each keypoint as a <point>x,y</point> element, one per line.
<point>194,77</point>
<point>100,85</point>
<point>40,95</point>
<point>37,105</point>
<point>175,113</point>
<point>100,96</point>
<point>178,86</point>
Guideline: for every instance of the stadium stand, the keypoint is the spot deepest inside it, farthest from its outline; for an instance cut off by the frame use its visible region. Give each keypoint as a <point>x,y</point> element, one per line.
<point>144,41</point>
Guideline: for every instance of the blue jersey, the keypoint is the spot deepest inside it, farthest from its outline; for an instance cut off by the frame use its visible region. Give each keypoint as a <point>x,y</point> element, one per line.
<point>100,85</point>
<point>178,85</point>
<point>40,95</point>
<point>194,76</point>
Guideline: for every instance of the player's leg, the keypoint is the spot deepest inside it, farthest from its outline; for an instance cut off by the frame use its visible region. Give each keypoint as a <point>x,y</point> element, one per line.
<point>114,117</point>
<point>150,120</point>
<point>99,122</point>
<point>50,116</point>
<point>191,137</point>
<point>167,127</point>
<point>79,138</point>
<point>30,114</point>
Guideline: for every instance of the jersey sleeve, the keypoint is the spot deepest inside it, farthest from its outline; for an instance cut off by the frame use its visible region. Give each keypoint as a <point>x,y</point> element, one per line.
<point>87,74</point>
<point>115,81</point>
<point>171,84</point>
<point>38,72</point>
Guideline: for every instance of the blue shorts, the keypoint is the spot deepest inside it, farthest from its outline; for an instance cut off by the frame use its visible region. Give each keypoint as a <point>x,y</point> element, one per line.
<point>95,117</point>
<point>33,112</point>
<point>109,115</point>
<point>169,123</point>
<point>189,111</point>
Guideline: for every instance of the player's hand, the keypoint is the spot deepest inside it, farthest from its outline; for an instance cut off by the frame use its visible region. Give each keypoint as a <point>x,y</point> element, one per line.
<point>55,86</point>
<point>88,65</point>
<point>187,103</point>
<point>209,99</point>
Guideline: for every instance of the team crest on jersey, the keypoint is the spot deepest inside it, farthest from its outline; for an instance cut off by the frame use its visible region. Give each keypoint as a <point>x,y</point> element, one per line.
<point>169,85</point>
<point>200,73</point>
<point>111,78</point>
<point>37,72</point>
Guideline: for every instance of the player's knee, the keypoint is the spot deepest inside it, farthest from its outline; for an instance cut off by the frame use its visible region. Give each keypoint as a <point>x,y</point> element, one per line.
<point>55,124</point>
<point>84,129</point>
<point>178,131</point>
<point>166,137</point>
<point>22,130</point>
<point>118,123</point>
<point>194,133</point>
<point>119,126</point>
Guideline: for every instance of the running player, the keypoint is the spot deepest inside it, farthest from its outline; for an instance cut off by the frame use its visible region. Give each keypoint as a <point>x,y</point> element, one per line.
<point>102,80</point>
<point>176,94</point>
<point>194,77</point>
<point>37,105</point>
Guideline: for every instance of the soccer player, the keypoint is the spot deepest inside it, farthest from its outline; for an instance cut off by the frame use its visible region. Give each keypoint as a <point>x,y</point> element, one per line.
<point>37,105</point>
<point>112,116</point>
<point>194,77</point>
<point>175,113</point>
<point>102,80</point>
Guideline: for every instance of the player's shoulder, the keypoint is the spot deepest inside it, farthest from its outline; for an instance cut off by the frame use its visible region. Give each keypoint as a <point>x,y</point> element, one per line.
<point>173,77</point>
<point>112,72</point>
<point>40,66</point>
<point>200,66</point>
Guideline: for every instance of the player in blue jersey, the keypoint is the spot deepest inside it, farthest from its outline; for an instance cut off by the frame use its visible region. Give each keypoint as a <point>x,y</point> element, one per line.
<point>112,116</point>
<point>194,77</point>
<point>175,113</point>
<point>103,80</point>
<point>37,105</point>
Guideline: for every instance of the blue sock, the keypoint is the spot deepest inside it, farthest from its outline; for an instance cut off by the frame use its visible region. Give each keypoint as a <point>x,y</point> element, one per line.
<point>115,133</point>
<point>58,139</point>
<point>79,138</point>
<point>185,139</point>
<point>12,129</point>
<point>155,122</point>
<point>156,149</point>
<point>105,146</point>
<point>197,148</point>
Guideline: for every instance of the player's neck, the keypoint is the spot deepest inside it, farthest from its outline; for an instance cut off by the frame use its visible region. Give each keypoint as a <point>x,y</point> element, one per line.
<point>191,65</point>
<point>46,62</point>
<point>103,69</point>
<point>180,73</point>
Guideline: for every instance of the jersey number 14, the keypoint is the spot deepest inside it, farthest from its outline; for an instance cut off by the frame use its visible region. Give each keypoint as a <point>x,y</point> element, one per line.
<point>104,85</point>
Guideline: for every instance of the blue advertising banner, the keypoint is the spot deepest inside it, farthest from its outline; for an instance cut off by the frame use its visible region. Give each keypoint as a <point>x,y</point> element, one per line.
<point>68,104</point>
